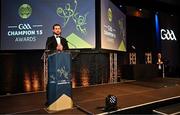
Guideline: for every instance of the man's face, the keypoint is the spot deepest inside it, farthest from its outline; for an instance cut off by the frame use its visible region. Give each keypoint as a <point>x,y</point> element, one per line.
<point>57,30</point>
<point>159,55</point>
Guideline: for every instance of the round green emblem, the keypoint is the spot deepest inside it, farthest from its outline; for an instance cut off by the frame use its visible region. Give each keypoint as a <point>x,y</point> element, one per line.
<point>25,11</point>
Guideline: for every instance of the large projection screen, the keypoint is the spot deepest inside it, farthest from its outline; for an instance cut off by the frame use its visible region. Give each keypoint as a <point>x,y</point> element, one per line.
<point>113,27</point>
<point>26,24</point>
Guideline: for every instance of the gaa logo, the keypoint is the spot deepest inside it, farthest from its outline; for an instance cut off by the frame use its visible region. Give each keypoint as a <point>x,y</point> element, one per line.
<point>25,11</point>
<point>109,14</point>
<point>24,27</point>
<point>167,35</point>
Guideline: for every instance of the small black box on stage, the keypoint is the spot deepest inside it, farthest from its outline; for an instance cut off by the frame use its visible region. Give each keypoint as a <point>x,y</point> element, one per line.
<point>111,103</point>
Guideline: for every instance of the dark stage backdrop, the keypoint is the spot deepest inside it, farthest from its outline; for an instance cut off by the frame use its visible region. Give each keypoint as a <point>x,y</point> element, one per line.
<point>140,36</point>
<point>90,69</point>
<point>169,37</point>
<point>22,72</point>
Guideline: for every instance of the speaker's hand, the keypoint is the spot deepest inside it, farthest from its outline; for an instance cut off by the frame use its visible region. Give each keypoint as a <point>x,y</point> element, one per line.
<point>59,47</point>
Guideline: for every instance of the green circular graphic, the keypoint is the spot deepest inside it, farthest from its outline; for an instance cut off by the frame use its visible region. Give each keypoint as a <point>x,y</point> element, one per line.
<point>25,11</point>
<point>110,14</point>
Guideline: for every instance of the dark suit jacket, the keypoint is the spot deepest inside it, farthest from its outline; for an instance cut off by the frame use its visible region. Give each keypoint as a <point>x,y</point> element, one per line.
<point>51,43</point>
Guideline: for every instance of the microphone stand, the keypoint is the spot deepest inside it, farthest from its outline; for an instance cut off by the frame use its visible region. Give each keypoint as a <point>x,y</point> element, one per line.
<point>163,71</point>
<point>45,67</point>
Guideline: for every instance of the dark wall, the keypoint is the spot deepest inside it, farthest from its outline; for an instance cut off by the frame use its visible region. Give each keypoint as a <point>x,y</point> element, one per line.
<point>21,72</point>
<point>90,69</point>
<point>140,34</point>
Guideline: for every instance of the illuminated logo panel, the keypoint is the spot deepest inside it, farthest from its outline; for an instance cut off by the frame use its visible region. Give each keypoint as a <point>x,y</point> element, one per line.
<point>167,34</point>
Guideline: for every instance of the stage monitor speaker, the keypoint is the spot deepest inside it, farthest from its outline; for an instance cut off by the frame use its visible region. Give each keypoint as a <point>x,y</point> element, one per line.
<point>111,103</point>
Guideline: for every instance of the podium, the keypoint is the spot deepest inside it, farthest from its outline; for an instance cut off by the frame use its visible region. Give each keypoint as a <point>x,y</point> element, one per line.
<point>59,87</point>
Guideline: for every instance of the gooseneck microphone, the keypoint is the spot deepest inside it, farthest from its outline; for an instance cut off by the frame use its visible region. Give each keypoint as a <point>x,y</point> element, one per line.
<point>69,42</point>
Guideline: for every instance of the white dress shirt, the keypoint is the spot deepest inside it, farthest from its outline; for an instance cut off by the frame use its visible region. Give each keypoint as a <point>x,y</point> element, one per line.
<point>58,39</point>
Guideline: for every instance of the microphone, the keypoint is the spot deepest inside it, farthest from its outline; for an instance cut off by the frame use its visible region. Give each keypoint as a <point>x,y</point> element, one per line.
<point>74,53</point>
<point>69,42</point>
<point>133,47</point>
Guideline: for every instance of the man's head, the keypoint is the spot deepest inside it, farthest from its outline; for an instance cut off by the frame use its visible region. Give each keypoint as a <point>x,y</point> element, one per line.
<point>57,29</point>
<point>159,55</point>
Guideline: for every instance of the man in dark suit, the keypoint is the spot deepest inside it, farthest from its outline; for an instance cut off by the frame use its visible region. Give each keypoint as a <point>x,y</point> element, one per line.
<point>56,42</point>
<point>160,63</point>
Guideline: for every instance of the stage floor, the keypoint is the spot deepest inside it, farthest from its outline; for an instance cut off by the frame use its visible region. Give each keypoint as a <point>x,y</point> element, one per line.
<point>92,99</point>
